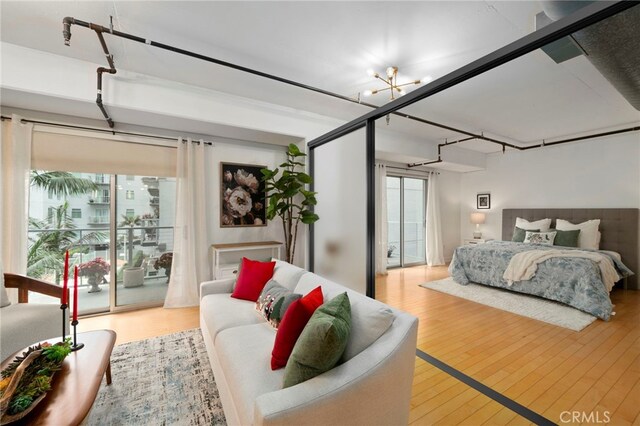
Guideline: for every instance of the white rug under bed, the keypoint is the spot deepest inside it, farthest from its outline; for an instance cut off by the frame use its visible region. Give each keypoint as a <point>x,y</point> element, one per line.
<point>520,304</point>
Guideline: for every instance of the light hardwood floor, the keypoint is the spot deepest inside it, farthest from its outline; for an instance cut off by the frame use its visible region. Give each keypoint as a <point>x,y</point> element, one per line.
<point>543,367</point>
<point>546,368</point>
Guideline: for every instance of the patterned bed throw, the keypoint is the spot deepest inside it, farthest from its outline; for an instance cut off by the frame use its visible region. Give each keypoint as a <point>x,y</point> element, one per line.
<point>575,281</point>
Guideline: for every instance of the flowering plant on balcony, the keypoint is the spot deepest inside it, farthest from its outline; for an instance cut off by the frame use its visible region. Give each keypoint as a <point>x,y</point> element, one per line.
<point>97,266</point>
<point>164,261</point>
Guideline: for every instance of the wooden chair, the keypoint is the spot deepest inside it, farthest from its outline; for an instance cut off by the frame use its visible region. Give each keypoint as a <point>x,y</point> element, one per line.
<point>24,323</point>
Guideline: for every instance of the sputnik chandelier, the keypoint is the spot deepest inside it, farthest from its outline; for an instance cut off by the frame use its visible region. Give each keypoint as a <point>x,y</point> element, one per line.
<point>392,82</point>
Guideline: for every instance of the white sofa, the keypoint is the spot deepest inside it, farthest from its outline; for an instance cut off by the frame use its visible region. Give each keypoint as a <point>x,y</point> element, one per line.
<point>372,388</point>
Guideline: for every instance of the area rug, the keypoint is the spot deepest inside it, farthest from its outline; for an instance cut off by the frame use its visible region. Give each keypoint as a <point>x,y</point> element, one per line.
<point>520,304</point>
<point>165,380</point>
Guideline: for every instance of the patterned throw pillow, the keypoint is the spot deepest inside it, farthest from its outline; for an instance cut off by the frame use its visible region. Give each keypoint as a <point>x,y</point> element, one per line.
<point>540,237</point>
<point>274,301</point>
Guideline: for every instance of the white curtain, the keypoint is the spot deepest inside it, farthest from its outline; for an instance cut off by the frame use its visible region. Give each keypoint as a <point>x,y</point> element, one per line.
<point>435,251</point>
<point>381,219</point>
<point>190,240</point>
<point>15,162</point>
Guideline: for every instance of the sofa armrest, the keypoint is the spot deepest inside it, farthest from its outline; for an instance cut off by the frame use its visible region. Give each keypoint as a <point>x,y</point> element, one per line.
<point>216,287</point>
<point>374,387</point>
<point>26,284</point>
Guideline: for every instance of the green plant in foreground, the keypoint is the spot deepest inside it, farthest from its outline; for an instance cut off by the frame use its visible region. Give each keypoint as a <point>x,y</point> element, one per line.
<point>36,379</point>
<point>288,197</point>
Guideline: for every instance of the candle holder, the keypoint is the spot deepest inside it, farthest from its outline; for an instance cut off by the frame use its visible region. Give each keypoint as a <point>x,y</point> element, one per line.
<point>63,308</point>
<point>76,346</point>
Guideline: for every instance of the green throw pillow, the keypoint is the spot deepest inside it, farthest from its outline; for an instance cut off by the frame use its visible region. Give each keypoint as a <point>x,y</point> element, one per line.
<point>321,343</point>
<point>566,238</point>
<point>519,234</point>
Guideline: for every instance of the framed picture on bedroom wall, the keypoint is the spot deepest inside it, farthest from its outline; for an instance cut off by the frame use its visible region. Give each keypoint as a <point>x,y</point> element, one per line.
<point>484,201</point>
<point>242,196</point>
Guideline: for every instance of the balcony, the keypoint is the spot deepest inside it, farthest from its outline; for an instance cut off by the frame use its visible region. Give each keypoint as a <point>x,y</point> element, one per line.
<point>99,200</point>
<point>100,179</point>
<point>135,246</point>
<point>98,220</point>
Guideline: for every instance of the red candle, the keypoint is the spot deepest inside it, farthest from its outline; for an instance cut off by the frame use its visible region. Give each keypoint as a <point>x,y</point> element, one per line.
<point>65,277</point>
<point>75,294</point>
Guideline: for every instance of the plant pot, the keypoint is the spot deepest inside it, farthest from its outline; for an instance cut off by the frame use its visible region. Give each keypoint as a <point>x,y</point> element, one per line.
<point>133,277</point>
<point>94,281</point>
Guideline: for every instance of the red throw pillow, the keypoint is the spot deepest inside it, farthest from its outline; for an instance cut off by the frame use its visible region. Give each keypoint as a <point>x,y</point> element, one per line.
<point>252,279</point>
<point>291,326</point>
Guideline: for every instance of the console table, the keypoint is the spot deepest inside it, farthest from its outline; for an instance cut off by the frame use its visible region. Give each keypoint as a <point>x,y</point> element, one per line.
<point>74,388</point>
<point>226,269</point>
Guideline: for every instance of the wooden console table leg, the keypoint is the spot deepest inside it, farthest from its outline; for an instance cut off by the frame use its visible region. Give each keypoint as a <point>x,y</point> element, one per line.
<point>109,373</point>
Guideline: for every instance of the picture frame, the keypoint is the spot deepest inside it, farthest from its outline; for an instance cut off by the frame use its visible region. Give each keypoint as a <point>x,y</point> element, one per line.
<point>243,198</point>
<point>483,201</point>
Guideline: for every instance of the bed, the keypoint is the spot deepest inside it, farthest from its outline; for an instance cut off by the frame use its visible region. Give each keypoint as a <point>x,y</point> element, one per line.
<point>573,281</point>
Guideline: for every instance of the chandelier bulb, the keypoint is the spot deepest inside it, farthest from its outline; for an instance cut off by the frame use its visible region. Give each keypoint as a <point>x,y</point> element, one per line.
<point>371,73</point>
<point>367,93</point>
<point>427,79</point>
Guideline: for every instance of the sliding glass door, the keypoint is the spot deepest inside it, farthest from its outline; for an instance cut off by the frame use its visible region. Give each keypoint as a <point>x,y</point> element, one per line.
<point>406,207</point>
<point>116,228</point>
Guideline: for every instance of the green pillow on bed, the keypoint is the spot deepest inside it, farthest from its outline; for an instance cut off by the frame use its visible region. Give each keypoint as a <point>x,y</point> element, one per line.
<point>566,238</point>
<point>519,234</point>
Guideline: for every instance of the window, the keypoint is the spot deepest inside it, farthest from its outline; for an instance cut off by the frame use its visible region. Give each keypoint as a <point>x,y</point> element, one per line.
<point>129,177</point>
<point>76,213</point>
<point>130,213</point>
<point>131,194</point>
<point>50,214</point>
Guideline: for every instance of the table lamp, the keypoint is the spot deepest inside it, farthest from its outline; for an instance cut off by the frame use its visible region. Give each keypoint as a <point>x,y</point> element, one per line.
<point>477,218</point>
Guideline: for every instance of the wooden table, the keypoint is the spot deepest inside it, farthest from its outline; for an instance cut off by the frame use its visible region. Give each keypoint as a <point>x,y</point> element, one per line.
<point>74,388</point>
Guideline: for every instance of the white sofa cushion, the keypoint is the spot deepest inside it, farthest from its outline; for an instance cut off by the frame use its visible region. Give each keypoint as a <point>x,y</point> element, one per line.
<point>369,318</point>
<point>287,275</point>
<point>244,354</point>
<point>24,324</point>
<point>221,311</point>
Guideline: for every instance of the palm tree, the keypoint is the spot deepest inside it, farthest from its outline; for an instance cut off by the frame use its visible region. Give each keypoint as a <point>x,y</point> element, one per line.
<point>47,248</point>
<point>54,238</point>
<point>61,183</point>
<point>130,220</point>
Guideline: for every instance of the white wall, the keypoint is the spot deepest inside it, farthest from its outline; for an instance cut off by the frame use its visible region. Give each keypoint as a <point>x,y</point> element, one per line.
<point>598,173</point>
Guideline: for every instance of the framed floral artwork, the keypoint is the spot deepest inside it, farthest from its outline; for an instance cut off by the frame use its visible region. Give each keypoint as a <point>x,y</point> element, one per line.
<point>243,196</point>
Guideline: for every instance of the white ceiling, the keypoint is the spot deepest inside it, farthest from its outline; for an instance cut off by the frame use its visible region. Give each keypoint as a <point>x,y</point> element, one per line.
<point>330,45</point>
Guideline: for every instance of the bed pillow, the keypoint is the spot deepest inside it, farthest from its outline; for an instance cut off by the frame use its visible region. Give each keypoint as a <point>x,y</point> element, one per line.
<point>540,237</point>
<point>519,233</point>
<point>566,238</point>
<point>588,238</point>
<point>543,224</point>
<point>274,301</point>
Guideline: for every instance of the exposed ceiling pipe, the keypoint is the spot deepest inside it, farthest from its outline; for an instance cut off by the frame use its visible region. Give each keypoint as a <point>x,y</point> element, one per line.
<point>525,148</point>
<point>99,29</point>
<point>66,32</point>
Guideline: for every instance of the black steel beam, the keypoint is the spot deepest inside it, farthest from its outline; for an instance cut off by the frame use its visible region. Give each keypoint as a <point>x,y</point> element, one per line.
<point>370,154</point>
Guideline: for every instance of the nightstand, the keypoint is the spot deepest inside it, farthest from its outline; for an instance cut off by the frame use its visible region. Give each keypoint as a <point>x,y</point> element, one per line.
<point>474,241</point>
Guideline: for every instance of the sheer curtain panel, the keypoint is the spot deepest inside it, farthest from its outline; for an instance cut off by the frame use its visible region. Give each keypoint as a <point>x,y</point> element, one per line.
<point>190,262</point>
<point>435,250</point>
<point>15,161</point>
<point>381,219</point>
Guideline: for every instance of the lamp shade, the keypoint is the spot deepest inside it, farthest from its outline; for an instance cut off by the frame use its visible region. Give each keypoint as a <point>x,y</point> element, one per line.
<point>477,218</point>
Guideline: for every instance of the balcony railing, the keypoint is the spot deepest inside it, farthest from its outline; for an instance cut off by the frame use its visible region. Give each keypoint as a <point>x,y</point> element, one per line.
<point>98,220</point>
<point>145,242</point>
<point>99,200</point>
<point>102,179</point>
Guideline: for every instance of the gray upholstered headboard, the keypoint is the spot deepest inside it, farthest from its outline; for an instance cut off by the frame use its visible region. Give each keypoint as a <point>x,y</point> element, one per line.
<point>619,228</point>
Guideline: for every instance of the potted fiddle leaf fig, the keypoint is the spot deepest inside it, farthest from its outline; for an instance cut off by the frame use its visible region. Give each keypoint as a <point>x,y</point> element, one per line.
<point>288,197</point>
